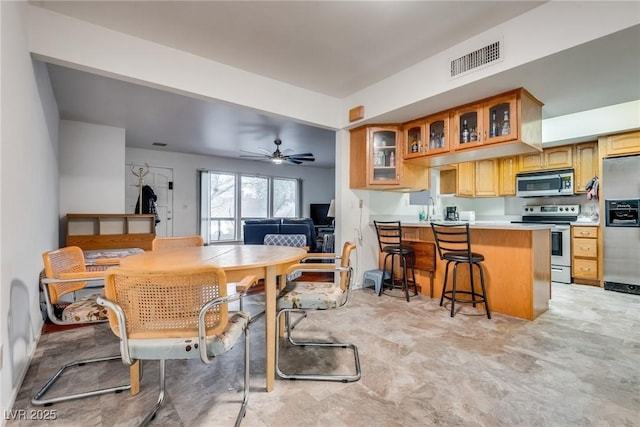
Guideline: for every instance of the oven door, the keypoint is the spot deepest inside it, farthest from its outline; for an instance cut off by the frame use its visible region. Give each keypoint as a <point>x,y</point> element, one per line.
<point>561,254</point>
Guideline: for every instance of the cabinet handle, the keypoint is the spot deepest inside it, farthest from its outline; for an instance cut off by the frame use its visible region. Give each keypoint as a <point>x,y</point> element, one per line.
<point>585,248</point>
<point>584,233</point>
<point>585,269</point>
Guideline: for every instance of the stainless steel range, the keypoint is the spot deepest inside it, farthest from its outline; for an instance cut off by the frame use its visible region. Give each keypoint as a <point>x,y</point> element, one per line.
<point>560,216</point>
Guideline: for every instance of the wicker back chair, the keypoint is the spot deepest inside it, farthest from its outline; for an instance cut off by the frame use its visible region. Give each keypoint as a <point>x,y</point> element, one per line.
<point>176,242</point>
<point>65,273</point>
<point>176,314</point>
<point>306,296</point>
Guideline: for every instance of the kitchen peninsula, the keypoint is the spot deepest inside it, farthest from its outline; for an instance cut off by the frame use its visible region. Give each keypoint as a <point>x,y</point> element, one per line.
<point>517,264</point>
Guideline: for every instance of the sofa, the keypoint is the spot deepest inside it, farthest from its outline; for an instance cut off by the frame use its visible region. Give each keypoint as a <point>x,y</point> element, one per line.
<point>254,230</point>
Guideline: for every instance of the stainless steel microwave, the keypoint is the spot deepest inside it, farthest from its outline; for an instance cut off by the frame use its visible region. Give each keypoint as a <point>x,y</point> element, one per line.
<point>545,183</point>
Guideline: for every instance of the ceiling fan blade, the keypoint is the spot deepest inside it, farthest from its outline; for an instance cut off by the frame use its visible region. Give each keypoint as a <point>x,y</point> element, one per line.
<point>254,156</point>
<point>303,159</point>
<point>301,155</point>
<point>294,161</point>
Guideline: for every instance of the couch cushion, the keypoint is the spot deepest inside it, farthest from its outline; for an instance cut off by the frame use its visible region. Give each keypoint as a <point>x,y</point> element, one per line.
<point>255,230</point>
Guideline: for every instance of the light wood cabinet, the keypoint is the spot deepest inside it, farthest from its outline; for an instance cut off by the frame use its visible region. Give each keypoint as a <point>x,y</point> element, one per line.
<point>471,179</point>
<point>491,121</point>
<point>465,179</point>
<point>110,231</point>
<point>487,177</point>
<point>585,165</point>
<point>507,170</point>
<point>487,135</point>
<point>549,158</point>
<point>426,136</point>
<point>621,144</point>
<point>584,253</point>
<point>376,161</point>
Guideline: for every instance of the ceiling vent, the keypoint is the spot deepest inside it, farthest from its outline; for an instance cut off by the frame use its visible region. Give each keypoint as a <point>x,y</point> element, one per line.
<point>477,59</point>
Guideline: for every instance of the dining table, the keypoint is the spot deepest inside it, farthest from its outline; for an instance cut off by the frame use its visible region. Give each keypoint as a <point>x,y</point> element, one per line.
<point>264,262</point>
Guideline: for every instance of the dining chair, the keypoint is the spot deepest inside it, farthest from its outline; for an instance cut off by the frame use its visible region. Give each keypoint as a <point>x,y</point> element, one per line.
<point>66,275</point>
<point>176,242</point>
<point>390,243</point>
<point>307,296</point>
<point>454,246</point>
<point>176,314</point>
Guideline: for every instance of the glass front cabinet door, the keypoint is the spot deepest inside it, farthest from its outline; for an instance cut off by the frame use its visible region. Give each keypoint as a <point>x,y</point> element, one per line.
<point>437,127</point>
<point>383,149</point>
<point>414,135</point>
<point>500,119</point>
<point>467,123</point>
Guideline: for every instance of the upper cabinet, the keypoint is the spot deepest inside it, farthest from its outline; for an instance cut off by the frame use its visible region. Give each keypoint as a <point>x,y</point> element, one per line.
<point>492,121</point>
<point>503,125</point>
<point>585,165</point>
<point>549,158</point>
<point>376,161</point>
<point>622,144</point>
<point>427,136</point>
<point>507,170</point>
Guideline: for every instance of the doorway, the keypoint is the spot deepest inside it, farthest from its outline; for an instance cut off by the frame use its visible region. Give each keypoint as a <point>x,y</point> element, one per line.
<point>161,180</point>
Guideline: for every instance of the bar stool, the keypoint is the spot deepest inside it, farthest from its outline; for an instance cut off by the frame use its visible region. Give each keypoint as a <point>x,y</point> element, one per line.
<point>390,243</point>
<point>454,246</point>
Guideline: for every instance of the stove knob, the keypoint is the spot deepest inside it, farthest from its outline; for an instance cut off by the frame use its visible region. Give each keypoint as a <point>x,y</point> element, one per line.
<point>573,209</point>
<point>560,209</point>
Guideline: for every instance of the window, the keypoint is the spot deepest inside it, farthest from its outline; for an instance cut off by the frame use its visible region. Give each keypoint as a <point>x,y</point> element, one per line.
<point>227,199</point>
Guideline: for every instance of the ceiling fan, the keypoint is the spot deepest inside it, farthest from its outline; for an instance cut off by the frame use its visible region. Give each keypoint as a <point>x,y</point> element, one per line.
<point>278,157</point>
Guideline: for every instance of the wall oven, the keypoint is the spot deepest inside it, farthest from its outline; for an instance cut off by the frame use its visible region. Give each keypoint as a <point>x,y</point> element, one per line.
<point>560,216</point>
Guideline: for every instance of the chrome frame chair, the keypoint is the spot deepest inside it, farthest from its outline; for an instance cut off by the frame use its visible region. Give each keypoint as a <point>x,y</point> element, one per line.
<point>302,297</point>
<point>454,246</point>
<point>160,243</point>
<point>154,313</point>
<point>66,273</point>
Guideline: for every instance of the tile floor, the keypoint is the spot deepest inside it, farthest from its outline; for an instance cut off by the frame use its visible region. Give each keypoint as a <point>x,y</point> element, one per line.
<point>576,365</point>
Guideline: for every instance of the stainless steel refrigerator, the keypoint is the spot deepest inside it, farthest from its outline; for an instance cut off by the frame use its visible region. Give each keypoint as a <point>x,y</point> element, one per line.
<point>621,193</point>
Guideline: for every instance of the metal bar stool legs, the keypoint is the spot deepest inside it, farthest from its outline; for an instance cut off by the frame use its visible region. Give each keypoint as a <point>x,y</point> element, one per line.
<point>406,281</point>
<point>475,297</point>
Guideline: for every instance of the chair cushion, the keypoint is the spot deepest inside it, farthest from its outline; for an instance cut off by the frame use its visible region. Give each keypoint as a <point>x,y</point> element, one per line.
<point>187,348</point>
<point>83,310</point>
<point>311,296</point>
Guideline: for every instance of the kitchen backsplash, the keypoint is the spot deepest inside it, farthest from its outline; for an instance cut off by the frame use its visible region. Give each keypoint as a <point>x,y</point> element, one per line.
<point>486,209</point>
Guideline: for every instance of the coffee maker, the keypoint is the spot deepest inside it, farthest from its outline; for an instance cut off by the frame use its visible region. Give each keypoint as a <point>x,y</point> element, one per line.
<point>452,213</point>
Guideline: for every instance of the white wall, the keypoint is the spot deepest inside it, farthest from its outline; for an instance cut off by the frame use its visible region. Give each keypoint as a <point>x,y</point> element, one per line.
<point>318,184</point>
<point>29,190</point>
<point>91,168</point>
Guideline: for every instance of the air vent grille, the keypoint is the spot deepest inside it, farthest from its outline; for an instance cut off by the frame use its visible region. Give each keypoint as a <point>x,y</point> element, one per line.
<point>471,61</point>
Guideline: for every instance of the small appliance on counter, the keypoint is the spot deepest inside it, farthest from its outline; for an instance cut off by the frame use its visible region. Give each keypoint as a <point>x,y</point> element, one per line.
<point>467,216</point>
<point>451,213</point>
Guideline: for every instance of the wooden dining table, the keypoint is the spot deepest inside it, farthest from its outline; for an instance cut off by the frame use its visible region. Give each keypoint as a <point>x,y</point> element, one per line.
<point>238,261</point>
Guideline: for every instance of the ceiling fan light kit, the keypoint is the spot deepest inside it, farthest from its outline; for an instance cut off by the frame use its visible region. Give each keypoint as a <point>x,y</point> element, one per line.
<point>278,158</point>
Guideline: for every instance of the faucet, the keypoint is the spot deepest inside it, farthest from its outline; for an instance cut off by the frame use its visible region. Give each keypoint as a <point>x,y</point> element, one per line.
<point>431,212</point>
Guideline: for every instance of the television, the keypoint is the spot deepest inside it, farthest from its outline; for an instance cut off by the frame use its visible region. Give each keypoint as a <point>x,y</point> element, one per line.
<point>318,213</point>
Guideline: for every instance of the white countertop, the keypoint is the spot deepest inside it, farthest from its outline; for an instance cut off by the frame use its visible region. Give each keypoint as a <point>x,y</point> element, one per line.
<point>499,225</point>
